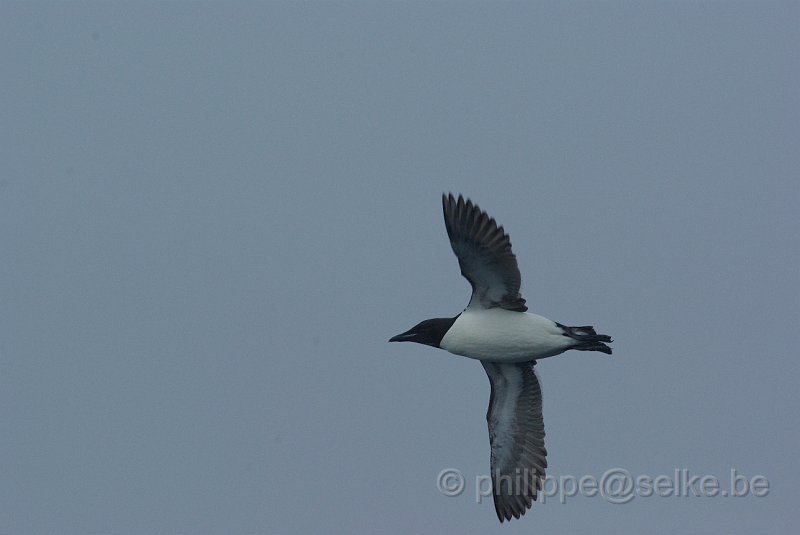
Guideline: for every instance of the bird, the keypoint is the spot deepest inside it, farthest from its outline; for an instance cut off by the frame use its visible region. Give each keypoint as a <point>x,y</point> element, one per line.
<point>497,329</point>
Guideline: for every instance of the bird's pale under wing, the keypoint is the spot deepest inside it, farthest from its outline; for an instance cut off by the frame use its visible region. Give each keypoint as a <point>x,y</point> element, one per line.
<point>516,435</point>
<point>484,255</point>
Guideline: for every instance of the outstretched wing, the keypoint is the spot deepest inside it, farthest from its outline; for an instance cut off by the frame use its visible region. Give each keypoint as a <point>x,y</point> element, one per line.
<point>484,255</point>
<point>516,435</point>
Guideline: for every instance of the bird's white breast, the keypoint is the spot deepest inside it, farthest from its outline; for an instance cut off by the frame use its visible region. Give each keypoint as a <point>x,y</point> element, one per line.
<point>502,335</point>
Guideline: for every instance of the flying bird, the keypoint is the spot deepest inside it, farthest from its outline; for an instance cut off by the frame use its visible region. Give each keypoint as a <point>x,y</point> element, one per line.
<point>496,329</point>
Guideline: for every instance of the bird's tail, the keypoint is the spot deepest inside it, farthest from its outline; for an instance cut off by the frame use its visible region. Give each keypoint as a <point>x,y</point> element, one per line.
<point>587,339</point>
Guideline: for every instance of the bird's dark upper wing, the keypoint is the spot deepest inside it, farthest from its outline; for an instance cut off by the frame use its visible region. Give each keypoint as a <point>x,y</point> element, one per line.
<point>516,434</point>
<point>484,255</point>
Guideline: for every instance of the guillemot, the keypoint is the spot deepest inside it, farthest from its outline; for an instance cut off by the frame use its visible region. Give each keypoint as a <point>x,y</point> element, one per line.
<point>496,329</point>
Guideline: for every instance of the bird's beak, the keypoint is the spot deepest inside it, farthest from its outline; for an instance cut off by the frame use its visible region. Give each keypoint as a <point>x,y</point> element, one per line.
<point>407,336</point>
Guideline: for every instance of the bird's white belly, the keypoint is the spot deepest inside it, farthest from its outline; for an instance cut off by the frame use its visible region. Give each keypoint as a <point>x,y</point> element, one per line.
<point>502,335</point>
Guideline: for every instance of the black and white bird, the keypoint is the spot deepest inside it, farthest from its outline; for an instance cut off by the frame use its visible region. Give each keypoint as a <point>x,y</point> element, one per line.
<point>496,329</point>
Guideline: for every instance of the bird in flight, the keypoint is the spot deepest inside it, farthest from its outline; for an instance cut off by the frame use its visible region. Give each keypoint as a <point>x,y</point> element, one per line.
<point>496,329</point>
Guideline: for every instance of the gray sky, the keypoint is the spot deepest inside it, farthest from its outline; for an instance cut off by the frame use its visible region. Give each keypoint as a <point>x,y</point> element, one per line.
<point>213,217</point>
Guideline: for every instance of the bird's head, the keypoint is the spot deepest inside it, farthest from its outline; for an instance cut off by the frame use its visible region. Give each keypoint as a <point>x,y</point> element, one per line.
<point>428,332</point>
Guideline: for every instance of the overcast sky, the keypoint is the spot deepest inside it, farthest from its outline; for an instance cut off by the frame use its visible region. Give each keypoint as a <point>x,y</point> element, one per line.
<point>214,215</point>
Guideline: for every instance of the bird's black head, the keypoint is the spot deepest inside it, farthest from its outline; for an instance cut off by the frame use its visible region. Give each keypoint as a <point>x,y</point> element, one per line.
<point>428,332</point>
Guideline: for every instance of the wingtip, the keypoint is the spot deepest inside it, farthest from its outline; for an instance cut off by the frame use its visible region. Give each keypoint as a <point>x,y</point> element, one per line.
<point>450,201</point>
<point>447,202</point>
<point>450,198</point>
